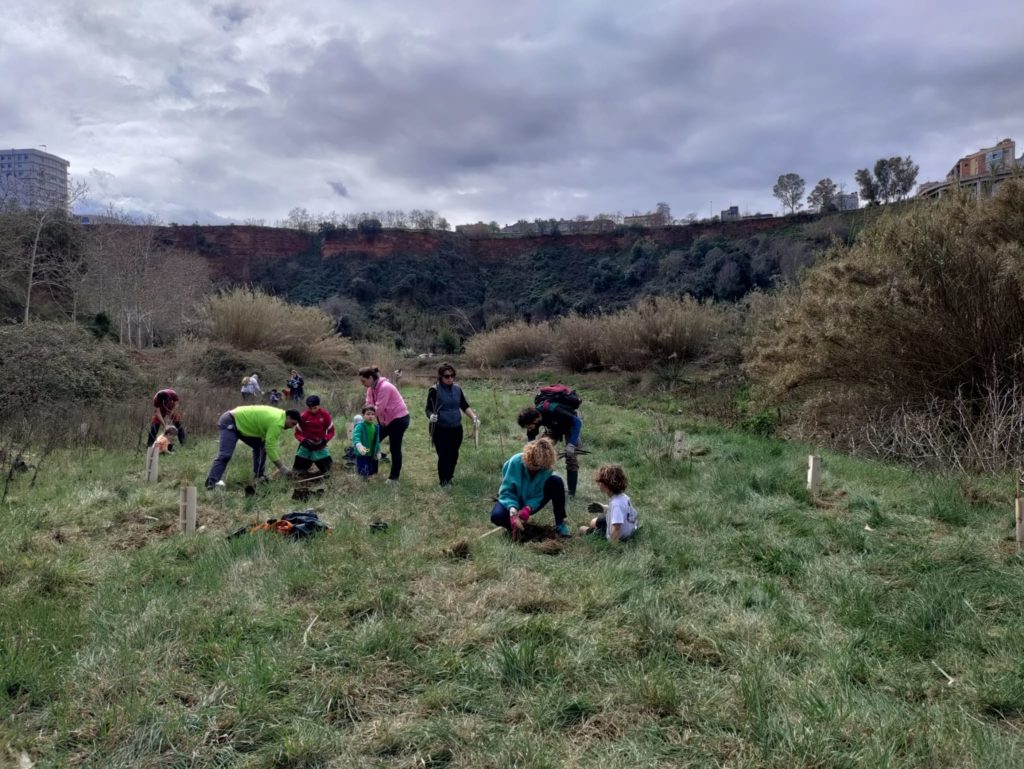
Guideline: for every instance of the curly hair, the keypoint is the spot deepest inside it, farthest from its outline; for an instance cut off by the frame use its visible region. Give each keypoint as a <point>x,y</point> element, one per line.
<point>612,476</point>
<point>539,454</point>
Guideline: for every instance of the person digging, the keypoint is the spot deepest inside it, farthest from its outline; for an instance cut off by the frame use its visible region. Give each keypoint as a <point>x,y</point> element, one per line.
<point>258,427</point>
<point>528,483</point>
<point>559,423</point>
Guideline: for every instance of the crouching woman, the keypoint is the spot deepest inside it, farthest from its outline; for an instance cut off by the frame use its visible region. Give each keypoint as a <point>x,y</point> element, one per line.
<point>527,484</point>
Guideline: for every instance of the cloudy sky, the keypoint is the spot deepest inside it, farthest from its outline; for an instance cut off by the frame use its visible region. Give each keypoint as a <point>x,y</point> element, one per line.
<point>498,109</point>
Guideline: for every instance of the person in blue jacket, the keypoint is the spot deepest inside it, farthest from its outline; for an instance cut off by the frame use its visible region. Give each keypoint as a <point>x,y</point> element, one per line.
<point>528,483</point>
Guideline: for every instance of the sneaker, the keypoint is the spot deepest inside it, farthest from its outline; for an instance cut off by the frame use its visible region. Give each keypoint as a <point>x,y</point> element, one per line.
<point>391,480</point>
<point>562,530</point>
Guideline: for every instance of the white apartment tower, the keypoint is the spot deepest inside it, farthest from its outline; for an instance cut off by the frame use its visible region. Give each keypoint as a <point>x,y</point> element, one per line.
<point>33,179</point>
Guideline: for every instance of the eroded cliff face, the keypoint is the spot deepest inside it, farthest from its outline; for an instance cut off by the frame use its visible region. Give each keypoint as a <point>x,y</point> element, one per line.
<point>233,250</point>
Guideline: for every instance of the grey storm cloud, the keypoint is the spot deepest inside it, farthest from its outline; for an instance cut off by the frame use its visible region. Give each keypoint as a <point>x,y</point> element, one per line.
<point>491,110</point>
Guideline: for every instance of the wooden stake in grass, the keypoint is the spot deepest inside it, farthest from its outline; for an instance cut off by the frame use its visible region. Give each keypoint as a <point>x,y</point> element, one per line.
<point>1018,505</point>
<point>153,464</point>
<point>187,505</point>
<point>678,445</point>
<point>813,474</point>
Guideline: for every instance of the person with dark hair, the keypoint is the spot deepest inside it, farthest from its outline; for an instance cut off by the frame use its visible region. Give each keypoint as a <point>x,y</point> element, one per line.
<point>259,428</point>
<point>527,484</point>
<point>559,423</point>
<point>314,430</point>
<point>296,386</point>
<point>392,414</point>
<point>445,405</point>
<point>166,404</point>
<point>366,443</point>
<point>619,519</point>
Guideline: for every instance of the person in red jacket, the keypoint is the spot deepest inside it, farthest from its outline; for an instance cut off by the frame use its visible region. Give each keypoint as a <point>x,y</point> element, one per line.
<point>313,432</point>
<point>166,412</point>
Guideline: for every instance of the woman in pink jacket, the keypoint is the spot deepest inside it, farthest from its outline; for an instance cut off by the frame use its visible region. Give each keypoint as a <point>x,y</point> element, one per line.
<point>392,414</point>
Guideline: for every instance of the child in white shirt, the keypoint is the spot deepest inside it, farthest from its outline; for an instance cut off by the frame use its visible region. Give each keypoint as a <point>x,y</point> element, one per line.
<point>619,520</point>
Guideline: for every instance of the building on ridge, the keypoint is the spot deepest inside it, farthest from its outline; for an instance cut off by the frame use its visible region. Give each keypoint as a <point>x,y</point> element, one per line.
<point>33,179</point>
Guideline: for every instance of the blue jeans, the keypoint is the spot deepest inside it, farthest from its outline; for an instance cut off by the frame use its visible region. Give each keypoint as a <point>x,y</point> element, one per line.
<point>554,492</point>
<point>229,438</point>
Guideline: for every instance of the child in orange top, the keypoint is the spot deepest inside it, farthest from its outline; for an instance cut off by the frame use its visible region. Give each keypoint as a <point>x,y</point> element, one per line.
<point>163,443</point>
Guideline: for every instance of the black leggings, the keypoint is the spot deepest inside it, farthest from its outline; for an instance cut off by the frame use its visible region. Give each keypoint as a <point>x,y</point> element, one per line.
<point>447,441</point>
<point>554,492</point>
<point>394,432</point>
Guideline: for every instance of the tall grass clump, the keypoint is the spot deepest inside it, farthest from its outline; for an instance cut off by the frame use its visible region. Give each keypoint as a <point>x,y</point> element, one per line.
<point>665,330</point>
<point>922,315</point>
<point>249,319</point>
<point>518,342</point>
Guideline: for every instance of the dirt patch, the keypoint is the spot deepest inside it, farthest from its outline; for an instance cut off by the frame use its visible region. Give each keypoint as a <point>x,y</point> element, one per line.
<point>135,534</point>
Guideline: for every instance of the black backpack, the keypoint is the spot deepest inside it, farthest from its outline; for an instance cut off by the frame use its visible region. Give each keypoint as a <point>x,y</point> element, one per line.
<point>557,395</point>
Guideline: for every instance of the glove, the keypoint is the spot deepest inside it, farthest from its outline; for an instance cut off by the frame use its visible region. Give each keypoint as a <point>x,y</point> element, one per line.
<point>515,523</point>
<point>285,471</point>
<point>476,421</point>
<point>433,418</point>
<point>570,449</point>
<point>377,455</point>
<point>362,449</point>
<point>308,443</point>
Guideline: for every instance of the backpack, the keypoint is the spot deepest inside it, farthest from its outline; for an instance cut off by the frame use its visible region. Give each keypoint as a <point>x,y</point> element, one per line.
<point>296,525</point>
<point>557,395</point>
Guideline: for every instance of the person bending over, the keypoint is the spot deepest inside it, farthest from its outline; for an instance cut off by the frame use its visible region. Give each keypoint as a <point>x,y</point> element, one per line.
<point>528,483</point>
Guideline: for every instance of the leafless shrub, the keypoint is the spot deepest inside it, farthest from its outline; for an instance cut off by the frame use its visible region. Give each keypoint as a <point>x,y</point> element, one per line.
<point>921,319</point>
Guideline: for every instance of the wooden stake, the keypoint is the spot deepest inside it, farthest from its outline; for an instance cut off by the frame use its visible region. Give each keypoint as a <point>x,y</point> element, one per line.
<point>187,509</point>
<point>1018,509</point>
<point>678,444</point>
<point>813,474</point>
<point>190,509</point>
<point>153,464</point>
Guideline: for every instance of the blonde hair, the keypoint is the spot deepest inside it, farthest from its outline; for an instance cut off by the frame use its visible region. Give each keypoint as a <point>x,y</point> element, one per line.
<point>540,454</point>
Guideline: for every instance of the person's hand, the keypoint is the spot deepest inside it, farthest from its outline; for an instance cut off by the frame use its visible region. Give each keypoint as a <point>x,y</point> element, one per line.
<point>377,455</point>
<point>570,449</point>
<point>285,471</point>
<point>308,443</point>
<point>476,421</point>
<point>362,449</point>
<point>433,418</point>
<point>514,521</point>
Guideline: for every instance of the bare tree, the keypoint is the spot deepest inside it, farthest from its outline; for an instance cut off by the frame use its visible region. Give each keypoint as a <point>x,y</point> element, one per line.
<point>147,288</point>
<point>29,256</point>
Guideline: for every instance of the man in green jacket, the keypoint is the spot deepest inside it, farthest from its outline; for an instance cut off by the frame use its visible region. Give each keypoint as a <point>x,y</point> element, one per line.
<point>258,427</point>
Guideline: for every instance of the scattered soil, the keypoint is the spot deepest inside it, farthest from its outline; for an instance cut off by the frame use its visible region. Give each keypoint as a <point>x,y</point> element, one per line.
<point>457,550</point>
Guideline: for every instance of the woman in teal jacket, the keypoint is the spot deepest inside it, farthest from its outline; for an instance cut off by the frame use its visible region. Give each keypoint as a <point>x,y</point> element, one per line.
<point>527,484</point>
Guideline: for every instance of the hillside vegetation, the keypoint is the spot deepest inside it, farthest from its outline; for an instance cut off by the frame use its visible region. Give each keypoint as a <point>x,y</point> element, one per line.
<point>747,626</point>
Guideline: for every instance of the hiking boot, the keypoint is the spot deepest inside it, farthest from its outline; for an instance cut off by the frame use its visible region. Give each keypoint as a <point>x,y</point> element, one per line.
<point>562,530</point>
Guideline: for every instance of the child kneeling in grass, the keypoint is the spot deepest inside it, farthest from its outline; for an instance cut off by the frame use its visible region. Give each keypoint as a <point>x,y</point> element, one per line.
<point>619,520</point>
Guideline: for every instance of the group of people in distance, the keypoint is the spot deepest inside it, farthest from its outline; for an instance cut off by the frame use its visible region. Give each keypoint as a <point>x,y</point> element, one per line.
<point>294,390</point>
<point>528,481</point>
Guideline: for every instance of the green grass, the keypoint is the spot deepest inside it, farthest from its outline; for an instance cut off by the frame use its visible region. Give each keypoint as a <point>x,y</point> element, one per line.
<point>747,626</point>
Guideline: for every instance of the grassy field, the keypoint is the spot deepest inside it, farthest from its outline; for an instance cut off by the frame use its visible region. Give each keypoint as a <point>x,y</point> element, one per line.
<point>747,626</point>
